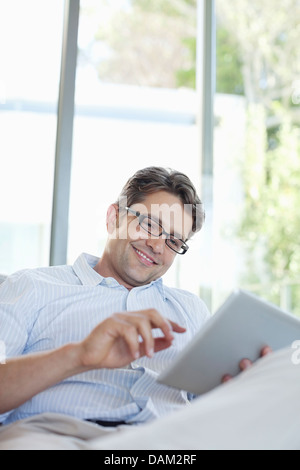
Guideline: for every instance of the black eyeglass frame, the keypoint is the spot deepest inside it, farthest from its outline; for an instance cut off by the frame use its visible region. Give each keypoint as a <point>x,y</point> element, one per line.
<point>142,217</point>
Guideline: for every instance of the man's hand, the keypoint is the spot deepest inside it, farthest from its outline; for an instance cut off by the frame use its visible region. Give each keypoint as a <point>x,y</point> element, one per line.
<point>115,342</point>
<point>246,363</point>
<point>124,337</point>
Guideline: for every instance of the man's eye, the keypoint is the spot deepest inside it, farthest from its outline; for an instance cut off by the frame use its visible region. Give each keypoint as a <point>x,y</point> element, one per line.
<point>175,242</point>
<point>150,225</point>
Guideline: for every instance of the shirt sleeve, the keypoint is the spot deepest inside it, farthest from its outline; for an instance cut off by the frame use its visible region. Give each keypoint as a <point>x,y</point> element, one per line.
<point>17,304</point>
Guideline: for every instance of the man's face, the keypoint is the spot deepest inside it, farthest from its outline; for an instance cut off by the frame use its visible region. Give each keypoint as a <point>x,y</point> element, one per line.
<point>136,258</point>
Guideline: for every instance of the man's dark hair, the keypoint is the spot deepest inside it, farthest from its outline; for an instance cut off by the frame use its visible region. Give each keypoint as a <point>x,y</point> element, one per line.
<point>152,179</point>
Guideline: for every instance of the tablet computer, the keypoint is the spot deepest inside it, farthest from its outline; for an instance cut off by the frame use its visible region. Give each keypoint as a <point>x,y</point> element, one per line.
<point>240,328</point>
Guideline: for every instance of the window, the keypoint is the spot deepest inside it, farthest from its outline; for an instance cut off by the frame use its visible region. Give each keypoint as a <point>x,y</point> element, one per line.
<point>257,149</point>
<point>30,52</point>
<point>136,106</point>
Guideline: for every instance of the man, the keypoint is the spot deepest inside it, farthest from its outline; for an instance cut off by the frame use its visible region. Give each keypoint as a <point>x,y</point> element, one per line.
<point>87,342</point>
<point>66,327</point>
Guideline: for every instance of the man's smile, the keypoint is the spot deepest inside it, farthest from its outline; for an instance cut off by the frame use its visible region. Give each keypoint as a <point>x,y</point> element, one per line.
<point>144,258</point>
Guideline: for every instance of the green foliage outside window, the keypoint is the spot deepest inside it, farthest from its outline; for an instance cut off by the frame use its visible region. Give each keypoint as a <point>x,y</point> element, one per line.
<point>258,57</point>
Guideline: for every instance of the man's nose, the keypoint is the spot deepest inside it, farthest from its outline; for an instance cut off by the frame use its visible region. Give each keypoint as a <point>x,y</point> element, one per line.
<point>156,244</point>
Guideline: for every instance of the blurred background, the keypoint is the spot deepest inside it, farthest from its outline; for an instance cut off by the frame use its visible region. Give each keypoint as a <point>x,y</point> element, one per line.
<point>141,99</point>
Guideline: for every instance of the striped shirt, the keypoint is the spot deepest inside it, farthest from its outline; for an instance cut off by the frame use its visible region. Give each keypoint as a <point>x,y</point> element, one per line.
<point>43,309</point>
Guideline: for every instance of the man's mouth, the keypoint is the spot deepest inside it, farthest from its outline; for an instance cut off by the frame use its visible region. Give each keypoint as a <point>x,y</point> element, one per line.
<point>145,259</point>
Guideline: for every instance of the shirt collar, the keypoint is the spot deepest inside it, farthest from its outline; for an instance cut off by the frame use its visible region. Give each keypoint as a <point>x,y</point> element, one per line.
<point>160,286</point>
<point>84,270</point>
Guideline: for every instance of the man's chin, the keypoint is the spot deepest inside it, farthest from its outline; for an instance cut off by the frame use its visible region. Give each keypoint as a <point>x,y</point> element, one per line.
<point>140,278</point>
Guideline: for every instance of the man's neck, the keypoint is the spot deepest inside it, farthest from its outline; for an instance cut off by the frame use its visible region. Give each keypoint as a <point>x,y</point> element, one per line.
<point>103,268</point>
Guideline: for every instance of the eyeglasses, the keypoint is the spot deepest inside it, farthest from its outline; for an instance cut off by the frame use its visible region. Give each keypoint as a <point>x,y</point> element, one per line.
<point>155,229</point>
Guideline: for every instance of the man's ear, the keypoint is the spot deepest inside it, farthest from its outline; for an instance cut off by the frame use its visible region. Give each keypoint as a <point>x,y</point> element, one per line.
<point>112,219</point>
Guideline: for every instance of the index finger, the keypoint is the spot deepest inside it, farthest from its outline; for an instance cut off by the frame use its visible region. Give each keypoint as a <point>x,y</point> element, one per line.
<point>177,328</point>
<point>166,326</point>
